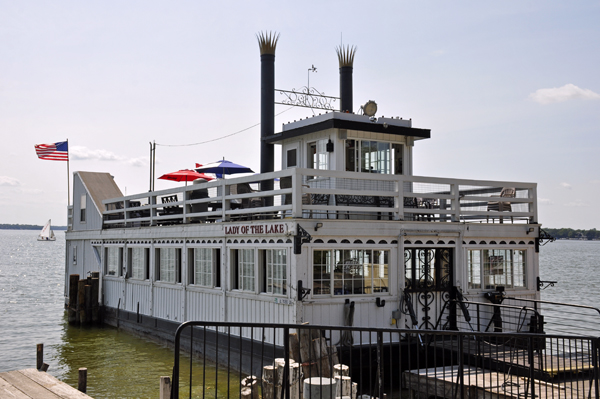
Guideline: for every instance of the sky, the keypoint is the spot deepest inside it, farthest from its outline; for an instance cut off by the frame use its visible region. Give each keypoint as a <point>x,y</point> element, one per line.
<point>510,90</point>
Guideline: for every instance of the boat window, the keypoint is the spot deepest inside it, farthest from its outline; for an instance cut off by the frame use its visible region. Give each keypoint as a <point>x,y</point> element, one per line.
<point>489,268</point>
<point>204,266</point>
<point>291,158</point>
<point>82,207</point>
<point>113,261</point>
<point>138,263</point>
<point>244,268</point>
<point>350,272</point>
<point>168,268</point>
<point>373,157</point>
<point>275,273</point>
<point>318,157</point>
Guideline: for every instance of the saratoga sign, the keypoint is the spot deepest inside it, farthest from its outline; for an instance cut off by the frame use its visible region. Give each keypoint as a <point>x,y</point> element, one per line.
<point>256,229</point>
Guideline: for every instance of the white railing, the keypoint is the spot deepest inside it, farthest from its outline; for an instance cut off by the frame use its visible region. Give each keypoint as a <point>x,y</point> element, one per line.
<point>320,194</point>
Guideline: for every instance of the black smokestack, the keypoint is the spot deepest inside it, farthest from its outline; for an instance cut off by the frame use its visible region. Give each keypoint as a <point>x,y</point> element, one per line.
<point>267,43</point>
<point>346,59</point>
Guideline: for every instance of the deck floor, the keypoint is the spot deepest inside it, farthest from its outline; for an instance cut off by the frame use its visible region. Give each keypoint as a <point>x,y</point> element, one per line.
<point>443,382</point>
<point>31,383</point>
<point>546,365</point>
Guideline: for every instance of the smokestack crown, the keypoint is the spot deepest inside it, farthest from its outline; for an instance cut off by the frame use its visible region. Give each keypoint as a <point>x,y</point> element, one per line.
<point>346,55</point>
<point>267,41</point>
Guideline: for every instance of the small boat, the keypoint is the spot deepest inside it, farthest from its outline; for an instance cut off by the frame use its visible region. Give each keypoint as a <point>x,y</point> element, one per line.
<point>47,234</point>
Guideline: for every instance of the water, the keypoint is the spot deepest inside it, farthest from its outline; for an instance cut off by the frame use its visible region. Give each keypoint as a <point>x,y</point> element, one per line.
<point>122,366</point>
<point>32,311</point>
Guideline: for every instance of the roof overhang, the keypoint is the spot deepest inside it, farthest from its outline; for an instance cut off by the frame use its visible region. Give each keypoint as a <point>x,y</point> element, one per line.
<point>349,122</point>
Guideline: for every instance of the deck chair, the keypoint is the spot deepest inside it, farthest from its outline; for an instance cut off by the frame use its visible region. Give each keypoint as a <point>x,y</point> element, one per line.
<point>502,206</point>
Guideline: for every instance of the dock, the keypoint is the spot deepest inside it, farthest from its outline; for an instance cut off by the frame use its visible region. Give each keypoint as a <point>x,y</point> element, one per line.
<point>444,382</point>
<point>33,384</point>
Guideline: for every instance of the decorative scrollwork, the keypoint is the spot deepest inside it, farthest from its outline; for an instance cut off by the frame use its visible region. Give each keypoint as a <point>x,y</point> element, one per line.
<point>307,97</point>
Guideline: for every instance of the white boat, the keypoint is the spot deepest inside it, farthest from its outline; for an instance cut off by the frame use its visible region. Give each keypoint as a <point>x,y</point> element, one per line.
<point>47,234</point>
<point>344,220</point>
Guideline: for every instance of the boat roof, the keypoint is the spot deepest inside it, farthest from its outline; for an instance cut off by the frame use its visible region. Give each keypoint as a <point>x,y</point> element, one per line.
<point>342,120</point>
<point>100,186</point>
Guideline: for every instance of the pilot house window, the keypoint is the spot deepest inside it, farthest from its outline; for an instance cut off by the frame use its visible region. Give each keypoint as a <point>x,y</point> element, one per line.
<point>318,157</point>
<point>373,157</point>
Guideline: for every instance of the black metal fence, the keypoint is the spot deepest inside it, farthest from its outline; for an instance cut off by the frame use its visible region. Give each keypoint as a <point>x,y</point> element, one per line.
<point>276,361</point>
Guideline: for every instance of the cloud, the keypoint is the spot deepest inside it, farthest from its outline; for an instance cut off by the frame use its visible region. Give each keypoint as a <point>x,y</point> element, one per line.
<point>137,162</point>
<point>85,154</point>
<point>545,201</point>
<point>577,204</point>
<point>560,94</point>
<point>566,185</point>
<point>9,181</point>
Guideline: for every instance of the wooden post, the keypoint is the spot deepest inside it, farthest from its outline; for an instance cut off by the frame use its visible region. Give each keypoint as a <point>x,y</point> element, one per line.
<point>268,386</point>
<point>82,380</point>
<point>40,356</point>
<point>81,300</point>
<point>249,388</point>
<point>295,377</point>
<point>165,387</point>
<point>319,388</point>
<point>295,347</point>
<point>88,303</point>
<point>306,354</point>
<point>322,357</point>
<point>73,281</point>
<point>344,386</point>
<point>280,368</point>
<point>341,370</point>
<point>95,291</point>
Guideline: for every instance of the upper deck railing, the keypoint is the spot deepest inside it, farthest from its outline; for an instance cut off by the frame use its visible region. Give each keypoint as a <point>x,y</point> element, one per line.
<point>323,194</point>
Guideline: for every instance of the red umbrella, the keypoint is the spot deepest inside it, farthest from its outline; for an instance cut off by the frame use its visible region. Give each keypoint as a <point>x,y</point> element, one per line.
<point>185,175</point>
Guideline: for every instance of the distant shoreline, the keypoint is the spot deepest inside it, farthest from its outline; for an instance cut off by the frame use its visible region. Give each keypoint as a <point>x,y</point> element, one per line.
<point>27,227</point>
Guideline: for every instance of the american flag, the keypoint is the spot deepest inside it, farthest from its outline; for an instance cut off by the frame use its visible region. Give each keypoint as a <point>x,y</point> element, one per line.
<point>53,152</point>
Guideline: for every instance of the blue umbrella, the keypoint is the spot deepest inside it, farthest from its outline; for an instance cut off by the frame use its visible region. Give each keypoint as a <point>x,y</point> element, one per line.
<point>223,167</point>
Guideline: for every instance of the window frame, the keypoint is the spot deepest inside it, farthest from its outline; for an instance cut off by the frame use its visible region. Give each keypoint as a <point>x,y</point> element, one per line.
<point>158,265</point>
<point>108,256</point>
<point>145,263</point>
<point>337,287</point>
<point>319,158</point>
<point>214,277</point>
<point>354,158</point>
<point>515,269</point>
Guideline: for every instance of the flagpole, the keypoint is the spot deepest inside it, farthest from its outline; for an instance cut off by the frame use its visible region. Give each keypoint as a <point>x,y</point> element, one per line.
<point>68,178</point>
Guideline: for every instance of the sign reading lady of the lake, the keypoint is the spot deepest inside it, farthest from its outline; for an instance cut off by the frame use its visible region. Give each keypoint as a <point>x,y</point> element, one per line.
<point>258,229</point>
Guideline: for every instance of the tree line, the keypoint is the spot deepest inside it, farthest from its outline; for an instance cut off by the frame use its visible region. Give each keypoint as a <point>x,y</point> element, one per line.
<point>578,234</point>
<point>27,227</point>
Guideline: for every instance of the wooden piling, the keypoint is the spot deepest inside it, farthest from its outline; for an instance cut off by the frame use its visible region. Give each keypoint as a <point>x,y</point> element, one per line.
<point>73,283</point>
<point>165,387</point>
<point>88,303</point>
<point>269,380</point>
<point>40,356</point>
<point>249,388</point>
<point>81,300</point>
<point>319,388</point>
<point>307,354</point>
<point>82,380</point>
<point>95,292</point>
<point>322,357</point>
<point>295,347</point>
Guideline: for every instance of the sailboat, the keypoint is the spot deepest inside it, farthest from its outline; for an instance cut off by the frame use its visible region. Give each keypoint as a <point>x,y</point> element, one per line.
<point>47,234</point>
